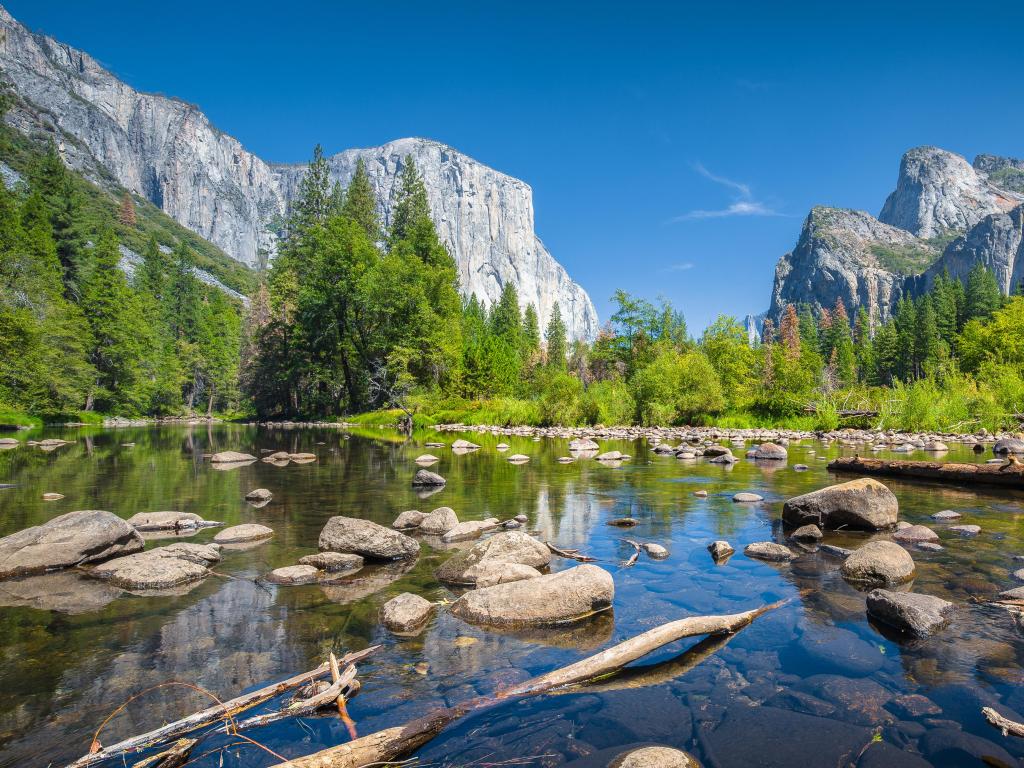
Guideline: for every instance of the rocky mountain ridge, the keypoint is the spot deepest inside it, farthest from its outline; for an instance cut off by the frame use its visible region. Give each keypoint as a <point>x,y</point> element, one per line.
<point>945,214</point>
<point>168,151</point>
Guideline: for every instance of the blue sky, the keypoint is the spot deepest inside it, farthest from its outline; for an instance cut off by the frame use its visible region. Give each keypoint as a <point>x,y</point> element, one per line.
<point>673,148</point>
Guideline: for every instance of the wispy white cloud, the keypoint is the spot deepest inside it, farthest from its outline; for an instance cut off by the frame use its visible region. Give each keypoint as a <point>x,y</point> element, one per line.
<point>743,204</point>
<point>680,267</point>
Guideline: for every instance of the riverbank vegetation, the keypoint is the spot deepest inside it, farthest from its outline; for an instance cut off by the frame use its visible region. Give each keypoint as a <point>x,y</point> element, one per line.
<point>356,316</point>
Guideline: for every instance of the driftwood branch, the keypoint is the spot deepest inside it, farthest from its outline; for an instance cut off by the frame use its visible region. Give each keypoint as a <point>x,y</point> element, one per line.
<point>569,554</point>
<point>391,743</point>
<point>1005,725</point>
<point>636,553</point>
<point>212,714</point>
<point>170,758</point>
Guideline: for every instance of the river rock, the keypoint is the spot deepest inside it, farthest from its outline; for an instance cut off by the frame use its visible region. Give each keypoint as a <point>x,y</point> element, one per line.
<point>505,547</point>
<point>231,457</point>
<point>807,533</point>
<point>768,550</point>
<point>723,458</point>
<point>907,611</point>
<point>405,613</point>
<point>834,551</point>
<point>936,446</point>
<point>583,444</point>
<point>411,518</point>
<point>259,494</point>
<point>947,514</point>
<point>366,538</point>
<point>75,538</point>
<point>241,534</point>
<point>439,522</point>
<point>716,450</point>
<point>52,496</point>
<point>770,452</point>
<point>879,562</point>
<point>518,458</point>
<point>610,456</point>
<point>558,597</point>
<point>490,573</point>
<point>654,757</point>
<point>720,550</point>
<point>294,574</point>
<point>1008,445</point>
<point>168,520</point>
<point>159,568</point>
<point>426,478</point>
<point>427,459</point>
<point>914,534</point>
<point>966,530</point>
<point>747,497</point>
<point>840,650</point>
<point>333,562</point>
<point>302,458</point>
<point>469,530</point>
<point>863,504</point>
<point>464,445</point>
<point>655,551</point>
<point>949,747</point>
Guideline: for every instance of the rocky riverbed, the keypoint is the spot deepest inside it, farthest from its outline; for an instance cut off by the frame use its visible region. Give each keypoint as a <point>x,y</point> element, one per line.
<point>894,637</point>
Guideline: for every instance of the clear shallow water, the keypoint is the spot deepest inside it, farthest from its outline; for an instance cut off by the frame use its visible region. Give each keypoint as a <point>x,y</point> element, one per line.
<point>809,684</point>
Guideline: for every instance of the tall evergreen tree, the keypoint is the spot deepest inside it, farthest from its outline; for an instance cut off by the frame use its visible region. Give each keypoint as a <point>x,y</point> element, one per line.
<point>983,296</point>
<point>360,204</point>
<point>411,205</point>
<point>557,346</point>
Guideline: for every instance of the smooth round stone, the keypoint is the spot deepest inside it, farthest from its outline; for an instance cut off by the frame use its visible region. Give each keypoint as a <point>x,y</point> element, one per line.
<point>237,534</point>
<point>405,613</point>
<point>747,497</point>
<point>947,514</point>
<point>915,534</point>
<point>259,494</point>
<point>768,550</point>
<point>293,574</point>
<point>879,562</point>
<point>966,530</point>
<point>654,757</point>
<point>333,562</point>
<point>53,496</point>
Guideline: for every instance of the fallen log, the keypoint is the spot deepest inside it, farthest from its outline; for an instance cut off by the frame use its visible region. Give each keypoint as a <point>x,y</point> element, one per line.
<point>1004,724</point>
<point>226,709</point>
<point>175,757</point>
<point>391,743</point>
<point>1007,476</point>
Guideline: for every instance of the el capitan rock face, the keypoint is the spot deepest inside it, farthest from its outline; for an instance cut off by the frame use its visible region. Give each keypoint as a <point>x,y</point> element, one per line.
<point>168,151</point>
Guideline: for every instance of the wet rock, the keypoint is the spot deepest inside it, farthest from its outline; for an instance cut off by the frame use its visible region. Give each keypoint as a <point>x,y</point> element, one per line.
<point>427,459</point>
<point>559,597</point>
<point>469,530</point>
<point>807,533</point>
<point>966,530</point>
<point>946,514</point>
<point>518,458</point>
<point>879,562</point>
<point>770,452</point>
<point>439,522</point>
<point>231,457</point>
<point>880,754</point>
<point>768,550</point>
<point>490,573</point>
<point>914,705</point>
<point>747,497</point>
<point>520,518</point>
<point>426,478</point>
<point>1008,445</point>
<point>654,757</point>
<point>936,446</point>
<point>907,611</point>
<point>914,534</point>
<point>67,592</point>
<point>159,568</point>
<point>366,538</point>
<point>798,701</point>
<point>623,522</point>
<point>859,504</point>
<point>411,518</point>
<point>841,650</point>
<point>259,494</point>
<point>168,521</point>
<point>834,551</point>
<point>53,496</point>
<point>930,546</point>
<point>859,701</point>
<point>724,458</point>
<point>720,550</point>
<point>610,456</point>
<point>75,538</point>
<point>655,551</point>
<point>240,534</point>
<point>701,494</point>
<point>302,458</point>
<point>501,447</point>
<point>333,562</point>
<point>946,746</point>
<point>464,445</point>
<point>505,547</point>
<point>1017,593</point>
<point>294,574</point>
<point>716,450</point>
<point>405,613</point>
<point>584,444</point>
<point>800,467</point>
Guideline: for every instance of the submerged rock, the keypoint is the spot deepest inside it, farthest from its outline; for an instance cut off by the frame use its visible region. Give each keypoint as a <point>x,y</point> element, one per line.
<point>862,504</point>
<point>947,514</point>
<point>768,550</point>
<point>366,538</point>
<point>507,547</point>
<point>294,574</point>
<point>907,611</point>
<point>333,562</point>
<point>75,538</point>
<point>159,568</point>
<point>240,534</point>
<point>426,478</point>
<point>879,562</point>
<point>559,597</point>
<point>231,457</point>
<point>405,613</point>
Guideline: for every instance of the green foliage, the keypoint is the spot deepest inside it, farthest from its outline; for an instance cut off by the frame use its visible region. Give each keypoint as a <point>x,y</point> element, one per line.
<point>903,259</point>
<point>556,340</point>
<point>676,387</point>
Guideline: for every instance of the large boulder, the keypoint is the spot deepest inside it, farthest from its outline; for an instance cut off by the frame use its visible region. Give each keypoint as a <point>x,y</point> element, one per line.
<point>469,529</point>
<point>294,574</point>
<point>439,522</point>
<point>768,550</point>
<point>915,534</point>
<point>654,757</point>
<point>333,562</point>
<point>168,520</point>
<point>506,547</point>
<point>879,562</point>
<point>366,538</point>
<point>558,597</point>
<point>86,536</point>
<point>1008,445</point>
<point>770,452</point>
<point>411,518</point>
<point>405,613</point>
<point>583,444</point>
<point>160,568</point>
<point>907,611</point>
<point>861,504</point>
<point>243,534</point>
<point>424,478</point>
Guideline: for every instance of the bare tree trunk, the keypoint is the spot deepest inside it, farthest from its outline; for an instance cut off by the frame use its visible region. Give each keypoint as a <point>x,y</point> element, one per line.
<point>209,404</point>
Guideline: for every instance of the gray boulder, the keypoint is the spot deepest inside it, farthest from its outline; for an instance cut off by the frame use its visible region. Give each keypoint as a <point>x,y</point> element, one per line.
<point>770,452</point>
<point>405,613</point>
<point>745,496</point>
<point>768,550</point>
<point>242,534</point>
<point>426,478</point>
<point>411,518</point>
<point>470,529</point>
<point>294,574</point>
<point>907,611</point>
<point>553,599</point>
<point>259,494</point>
<point>333,562</point>
<point>861,504</point>
<point>879,562</point>
<point>720,550</point>
<point>914,534</point>
<point>506,548</point>
<point>490,573</point>
<point>231,457</point>
<point>439,522</point>
<point>1008,445</point>
<point>168,520</point>
<point>160,568</point>
<point>366,538</point>
<point>807,533</point>
<point>75,538</point>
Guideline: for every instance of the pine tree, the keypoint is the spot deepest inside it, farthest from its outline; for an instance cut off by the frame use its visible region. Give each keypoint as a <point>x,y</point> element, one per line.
<point>557,347</point>
<point>411,206</point>
<point>789,332</point>
<point>983,296</point>
<point>360,204</point>
<point>314,200</point>
<point>149,277</point>
<point>531,331</point>
<point>51,178</point>
<point>840,343</point>
<point>927,341</point>
<point>905,326</point>
<point>126,213</point>
<point>887,355</point>
<point>864,346</point>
